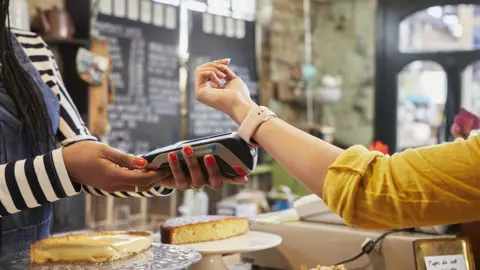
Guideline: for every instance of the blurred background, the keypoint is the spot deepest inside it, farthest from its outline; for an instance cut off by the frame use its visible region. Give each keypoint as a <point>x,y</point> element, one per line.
<point>348,71</point>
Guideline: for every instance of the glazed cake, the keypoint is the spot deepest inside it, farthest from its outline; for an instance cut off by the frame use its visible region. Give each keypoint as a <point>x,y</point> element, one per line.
<point>95,247</point>
<point>338,267</point>
<point>187,230</point>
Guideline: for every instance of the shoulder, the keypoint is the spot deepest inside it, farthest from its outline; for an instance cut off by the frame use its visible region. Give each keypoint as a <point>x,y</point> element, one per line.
<point>23,33</point>
<point>27,37</point>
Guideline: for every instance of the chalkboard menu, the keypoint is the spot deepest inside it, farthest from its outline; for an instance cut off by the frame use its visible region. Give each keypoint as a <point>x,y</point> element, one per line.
<point>216,37</point>
<point>143,38</point>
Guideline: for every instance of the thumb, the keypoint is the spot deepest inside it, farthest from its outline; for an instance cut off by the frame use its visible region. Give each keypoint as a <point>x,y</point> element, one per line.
<point>124,160</point>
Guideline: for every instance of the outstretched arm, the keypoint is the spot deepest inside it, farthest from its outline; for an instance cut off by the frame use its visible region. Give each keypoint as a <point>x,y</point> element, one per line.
<point>421,187</point>
<point>428,186</point>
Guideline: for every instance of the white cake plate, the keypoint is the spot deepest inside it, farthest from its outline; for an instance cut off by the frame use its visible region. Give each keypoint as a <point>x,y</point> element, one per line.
<point>212,251</point>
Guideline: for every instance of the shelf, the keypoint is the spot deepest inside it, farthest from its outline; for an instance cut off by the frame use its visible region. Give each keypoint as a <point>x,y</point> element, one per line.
<point>67,42</point>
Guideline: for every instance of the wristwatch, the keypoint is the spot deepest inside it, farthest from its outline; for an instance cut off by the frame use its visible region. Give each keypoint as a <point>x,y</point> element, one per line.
<point>254,119</point>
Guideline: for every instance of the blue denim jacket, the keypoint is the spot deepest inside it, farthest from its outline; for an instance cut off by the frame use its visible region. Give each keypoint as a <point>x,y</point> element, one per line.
<point>19,230</point>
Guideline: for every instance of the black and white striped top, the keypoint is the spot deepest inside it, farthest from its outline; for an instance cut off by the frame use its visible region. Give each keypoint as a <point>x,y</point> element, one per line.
<point>32,182</point>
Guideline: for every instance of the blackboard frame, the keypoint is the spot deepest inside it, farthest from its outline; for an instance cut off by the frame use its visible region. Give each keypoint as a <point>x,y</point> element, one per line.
<point>144,86</point>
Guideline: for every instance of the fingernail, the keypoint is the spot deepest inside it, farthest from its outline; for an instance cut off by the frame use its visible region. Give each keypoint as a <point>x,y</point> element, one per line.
<point>188,151</point>
<point>210,161</point>
<point>172,156</point>
<point>240,171</point>
<point>140,162</point>
<point>225,60</point>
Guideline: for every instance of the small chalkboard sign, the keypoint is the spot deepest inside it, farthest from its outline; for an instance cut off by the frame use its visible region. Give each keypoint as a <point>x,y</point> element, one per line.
<point>143,38</point>
<point>216,37</point>
<point>445,262</point>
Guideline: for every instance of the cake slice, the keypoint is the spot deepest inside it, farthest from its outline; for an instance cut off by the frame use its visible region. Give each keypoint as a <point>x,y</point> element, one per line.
<point>94,247</point>
<point>188,230</point>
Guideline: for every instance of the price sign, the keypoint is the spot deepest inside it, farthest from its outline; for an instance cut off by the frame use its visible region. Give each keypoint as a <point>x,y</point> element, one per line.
<point>448,262</point>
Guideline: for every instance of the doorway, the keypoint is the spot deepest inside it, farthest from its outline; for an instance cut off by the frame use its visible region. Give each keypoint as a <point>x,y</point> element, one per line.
<point>427,67</point>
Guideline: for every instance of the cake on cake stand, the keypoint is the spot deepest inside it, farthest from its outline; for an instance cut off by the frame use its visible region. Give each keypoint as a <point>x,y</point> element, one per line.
<point>212,251</point>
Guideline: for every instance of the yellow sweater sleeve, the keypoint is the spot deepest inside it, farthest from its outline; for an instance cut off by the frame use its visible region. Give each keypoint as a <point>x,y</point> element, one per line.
<point>435,185</point>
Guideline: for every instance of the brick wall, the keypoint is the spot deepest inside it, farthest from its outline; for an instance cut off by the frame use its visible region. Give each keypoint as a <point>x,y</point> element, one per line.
<point>343,37</point>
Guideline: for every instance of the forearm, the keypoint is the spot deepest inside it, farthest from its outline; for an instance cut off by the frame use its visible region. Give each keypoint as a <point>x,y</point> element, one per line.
<point>367,189</point>
<point>305,157</point>
<point>32,182</point>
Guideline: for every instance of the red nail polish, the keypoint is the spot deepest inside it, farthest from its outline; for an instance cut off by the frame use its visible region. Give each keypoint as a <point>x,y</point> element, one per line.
<point>210,161</point>
<point>188,151</point>
<point>240,171</point>
<point>172,156</point>
<point>140,162</point>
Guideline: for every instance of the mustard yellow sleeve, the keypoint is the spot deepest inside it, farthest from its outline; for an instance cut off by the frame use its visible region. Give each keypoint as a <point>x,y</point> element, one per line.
<point>427,186</point>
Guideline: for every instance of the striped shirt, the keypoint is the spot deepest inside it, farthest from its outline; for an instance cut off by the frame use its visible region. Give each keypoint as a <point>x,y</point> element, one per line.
<point>31,182</point>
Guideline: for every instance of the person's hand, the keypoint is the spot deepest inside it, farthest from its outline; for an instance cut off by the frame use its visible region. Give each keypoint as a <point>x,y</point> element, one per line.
<point>232,97</point>
<point>196,179</point>
<point>464,123</point>
<point>462,132</point>
<point>100,166</point>
<point>457,132</point>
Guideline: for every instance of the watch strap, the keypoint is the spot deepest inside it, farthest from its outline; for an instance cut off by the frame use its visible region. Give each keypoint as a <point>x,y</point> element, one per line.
<point>254,119</point>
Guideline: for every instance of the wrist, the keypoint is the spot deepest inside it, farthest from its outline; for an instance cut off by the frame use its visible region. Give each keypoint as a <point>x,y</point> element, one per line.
<point>240,110</point>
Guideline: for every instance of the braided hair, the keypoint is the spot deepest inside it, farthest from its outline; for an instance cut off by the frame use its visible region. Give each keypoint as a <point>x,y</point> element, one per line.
<point>32,111</point>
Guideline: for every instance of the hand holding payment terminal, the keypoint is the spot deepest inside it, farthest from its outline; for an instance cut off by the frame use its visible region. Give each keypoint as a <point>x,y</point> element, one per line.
<point>233,155</point>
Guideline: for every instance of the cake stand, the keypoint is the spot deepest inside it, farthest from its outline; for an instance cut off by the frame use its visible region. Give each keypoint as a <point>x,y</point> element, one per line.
<point>158,257</point>
<point>212,251</point>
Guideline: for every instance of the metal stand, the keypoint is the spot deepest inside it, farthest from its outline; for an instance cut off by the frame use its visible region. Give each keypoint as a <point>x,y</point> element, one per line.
<point>308,59</point>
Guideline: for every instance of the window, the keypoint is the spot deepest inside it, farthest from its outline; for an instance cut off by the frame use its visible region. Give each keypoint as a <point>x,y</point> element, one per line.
<point>422,94</point>
<point>441,28</point>
<point>471,88</point>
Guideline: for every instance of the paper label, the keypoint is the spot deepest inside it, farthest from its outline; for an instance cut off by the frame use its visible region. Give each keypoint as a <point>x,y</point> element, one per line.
<point>240,29</point>
<point>133,10</point>
<point>170,17</point>
<point>219,25</point>
<point>105,7</point>
<point>158,14</point>
<point>207,23</point>
<point>146,11</point>
<point>119,8</point>
<point>448,262</point>
<point>230,27</point>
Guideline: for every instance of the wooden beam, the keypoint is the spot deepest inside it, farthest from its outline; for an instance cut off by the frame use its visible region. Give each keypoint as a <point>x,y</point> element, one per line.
<point>98,95</point>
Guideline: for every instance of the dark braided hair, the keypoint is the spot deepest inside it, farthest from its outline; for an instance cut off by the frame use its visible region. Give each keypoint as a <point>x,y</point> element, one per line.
<point>32,111</point>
